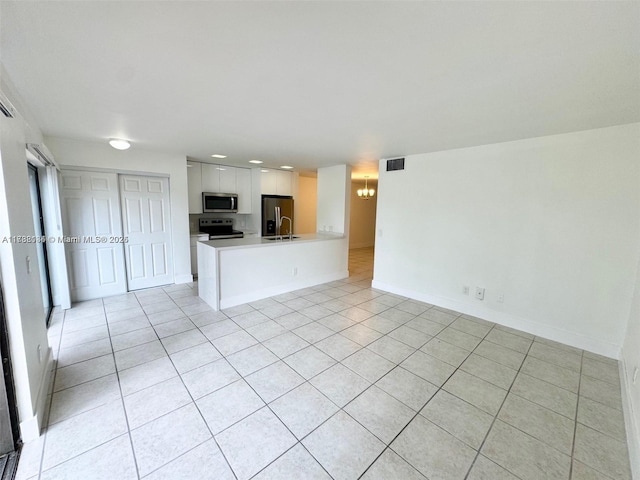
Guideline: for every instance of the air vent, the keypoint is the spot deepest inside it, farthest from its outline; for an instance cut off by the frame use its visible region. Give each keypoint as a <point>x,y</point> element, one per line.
<point>395,164</point>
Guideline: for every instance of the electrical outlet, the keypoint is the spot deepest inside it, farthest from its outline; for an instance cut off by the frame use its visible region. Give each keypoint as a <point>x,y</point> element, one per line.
<point>501,298</point>
<point>465,289</point>
<point>480,293</point>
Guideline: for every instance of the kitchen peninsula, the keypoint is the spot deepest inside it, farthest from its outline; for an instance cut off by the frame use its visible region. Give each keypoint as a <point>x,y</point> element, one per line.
<point>236,271</point>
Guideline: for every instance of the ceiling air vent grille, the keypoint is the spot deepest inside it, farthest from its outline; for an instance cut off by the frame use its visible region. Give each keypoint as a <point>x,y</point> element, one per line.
<point>395,164</point>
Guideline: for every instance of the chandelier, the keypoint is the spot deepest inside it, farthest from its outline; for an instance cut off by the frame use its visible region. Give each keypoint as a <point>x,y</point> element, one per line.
<point>366,193</point>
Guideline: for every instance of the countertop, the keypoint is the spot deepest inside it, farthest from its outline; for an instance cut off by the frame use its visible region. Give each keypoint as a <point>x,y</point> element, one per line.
<point>232,243</point>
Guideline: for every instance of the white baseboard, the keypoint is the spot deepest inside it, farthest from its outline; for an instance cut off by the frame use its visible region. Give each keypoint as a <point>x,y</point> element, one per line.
<point>183,278</point>
<point>550,332</point>
<point>280,289</point>
<point>30,428</point>
<point>633,435</point>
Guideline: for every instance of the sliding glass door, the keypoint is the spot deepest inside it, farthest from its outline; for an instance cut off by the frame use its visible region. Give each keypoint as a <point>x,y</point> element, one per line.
<point>38,225</point>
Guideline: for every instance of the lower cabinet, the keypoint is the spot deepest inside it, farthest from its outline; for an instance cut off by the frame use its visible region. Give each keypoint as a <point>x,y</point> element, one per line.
<point>194,251</point>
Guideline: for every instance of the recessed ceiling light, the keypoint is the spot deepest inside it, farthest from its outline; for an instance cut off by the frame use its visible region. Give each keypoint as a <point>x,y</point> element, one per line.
<point>257,162</point>
<point>264,170</point>
<point>217,155</point>
<point>286,167</point>
<point>119,144</point>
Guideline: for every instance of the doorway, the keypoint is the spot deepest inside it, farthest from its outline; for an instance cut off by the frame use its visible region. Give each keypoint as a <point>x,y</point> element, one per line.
<point>41,246</point>
<point>362,229</point>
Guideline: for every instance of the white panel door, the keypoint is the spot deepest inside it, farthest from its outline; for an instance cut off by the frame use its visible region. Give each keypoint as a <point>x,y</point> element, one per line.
<point>146,224</point>
<point>92,225</point>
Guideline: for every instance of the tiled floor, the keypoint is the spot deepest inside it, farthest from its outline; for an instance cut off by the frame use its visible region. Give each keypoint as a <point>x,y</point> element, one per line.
<point>335,381</point>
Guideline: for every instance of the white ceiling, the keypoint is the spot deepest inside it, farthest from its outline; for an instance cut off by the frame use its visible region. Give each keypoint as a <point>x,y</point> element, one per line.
<point>321,83</point>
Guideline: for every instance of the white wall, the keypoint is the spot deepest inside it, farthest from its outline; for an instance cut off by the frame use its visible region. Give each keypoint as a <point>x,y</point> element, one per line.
<point>306,203</point>
<point>362,229</point>
<point>79,154</point>
<point>334,185</point>
<point>552,223</point>
<point>631,389</point>
<point>30,353</point>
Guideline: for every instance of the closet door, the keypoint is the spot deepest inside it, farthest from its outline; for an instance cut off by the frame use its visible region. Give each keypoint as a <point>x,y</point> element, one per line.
<point>92,223</point>
<point>147,228</point>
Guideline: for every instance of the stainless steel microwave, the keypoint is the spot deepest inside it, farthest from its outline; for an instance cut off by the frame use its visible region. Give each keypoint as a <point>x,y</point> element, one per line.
<point>219,202</point>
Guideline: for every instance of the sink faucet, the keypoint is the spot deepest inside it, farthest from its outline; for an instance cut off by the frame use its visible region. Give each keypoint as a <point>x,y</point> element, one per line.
<point>279,219</point>
<point>290,227</point>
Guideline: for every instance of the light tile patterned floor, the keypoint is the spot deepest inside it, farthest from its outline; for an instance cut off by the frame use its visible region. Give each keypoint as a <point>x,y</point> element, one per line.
<point>335,381</point>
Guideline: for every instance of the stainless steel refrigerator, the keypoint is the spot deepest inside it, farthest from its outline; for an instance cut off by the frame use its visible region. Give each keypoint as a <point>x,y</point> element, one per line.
<point>269,204</point>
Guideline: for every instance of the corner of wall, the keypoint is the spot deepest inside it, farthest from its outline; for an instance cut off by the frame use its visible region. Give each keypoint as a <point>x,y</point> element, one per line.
<point>633,435</point>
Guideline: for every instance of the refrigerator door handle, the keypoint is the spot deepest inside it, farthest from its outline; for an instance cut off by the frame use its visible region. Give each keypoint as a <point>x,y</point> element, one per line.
<point>278,220</point>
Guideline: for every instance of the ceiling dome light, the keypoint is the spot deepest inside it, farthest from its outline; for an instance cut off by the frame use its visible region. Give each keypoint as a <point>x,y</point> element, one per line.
<point>286,167</point>
<point>217,155</point>
<point>119,144</point>
<point>257,162</point>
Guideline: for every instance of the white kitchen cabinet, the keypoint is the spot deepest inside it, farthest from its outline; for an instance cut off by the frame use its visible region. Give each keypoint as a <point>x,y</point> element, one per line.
<point>243,189</point>
<point>283,183</point>
<point>210,178</point>
<point>206,177</point>
<point>227,179</point>
<point>201,237</point>
<point>194,183</point>
<point>276,182</point>
<point>268,182</point>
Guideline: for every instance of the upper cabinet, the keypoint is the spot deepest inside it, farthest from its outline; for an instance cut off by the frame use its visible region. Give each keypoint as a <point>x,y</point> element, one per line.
<point>283,182</point>
<point>206,177</point>
<point>276,182</point>
<point>268,182</point>
<point>243,189</point>
<point>228,179</point>
<point>211,178</point>
<point>194,182</point>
